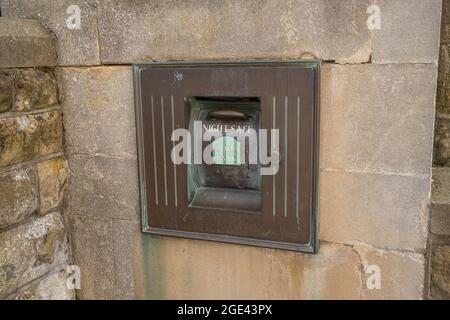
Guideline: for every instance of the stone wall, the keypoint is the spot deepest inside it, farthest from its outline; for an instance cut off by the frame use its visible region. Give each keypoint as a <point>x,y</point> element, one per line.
<point>377,122</point>
<point>34,249</point>
<point>439,255</point>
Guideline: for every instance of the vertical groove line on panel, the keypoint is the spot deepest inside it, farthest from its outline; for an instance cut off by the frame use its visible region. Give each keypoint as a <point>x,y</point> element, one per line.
<point>164,149</point>
<point>154,152</point>
<point>173,146</point>
<point>273,176</point>
<point>297,204</point>
<point>285,153</point>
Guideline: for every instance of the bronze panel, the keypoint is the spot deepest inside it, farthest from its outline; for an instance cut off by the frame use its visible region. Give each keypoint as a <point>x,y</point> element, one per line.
<point>288,93</point>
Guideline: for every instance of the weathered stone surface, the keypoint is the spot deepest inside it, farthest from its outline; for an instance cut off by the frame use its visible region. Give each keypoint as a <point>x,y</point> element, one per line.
<point>18,196</point>
<point>52,183</point>
<point>441,186</point>
<point>386,211</point>
<point>31,250</point>
<point>440,218</point>
<point>98,105</point>
<point>25,43</point>
<point>75,46</point>
<point>104,187</point>
<point>127,237</point>
<point>439,244</point>
<point>441,156</point>
<point>440,272</point>
<point>173,268</point>
<point>6,92</point>
<point>35,89</point>
<point>25,137</point>
<point>443,99</point>
<point>52,287</point>
<point>443,92</point>
<point>440,198</point>
<point>93,252</point>
<point>409,32</point>
<point>401,274</point>
<point>378,118</point>
<point>165,30</point>
<point>152,267</point>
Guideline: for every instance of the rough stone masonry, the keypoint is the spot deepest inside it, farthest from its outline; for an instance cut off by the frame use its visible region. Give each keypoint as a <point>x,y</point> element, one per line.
<point>377,124</point>
<point>439,239</point>
<point>34,248</point>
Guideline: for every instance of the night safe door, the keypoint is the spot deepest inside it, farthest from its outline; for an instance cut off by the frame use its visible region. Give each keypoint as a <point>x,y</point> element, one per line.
<point>207,135</point>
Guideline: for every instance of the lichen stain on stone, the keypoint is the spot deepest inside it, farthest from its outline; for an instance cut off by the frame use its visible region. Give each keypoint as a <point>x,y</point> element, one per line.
<point>18,196</point>
<point>7,271</point>
<point>46,247</point>
<point>20,175</point>
<point>46,233</point>
<point>23,123</point>
<point>35,89</point>
<point>152,270</point>
<point>38,228</point>
<point>31,136</point>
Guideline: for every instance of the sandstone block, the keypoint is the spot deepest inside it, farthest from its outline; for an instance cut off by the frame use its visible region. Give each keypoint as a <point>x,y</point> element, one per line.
<point>385,211</point>
<point>18,196</point>
<point>52,183</point>
<point>440,272</point>
<point>104,187</point>
<point>31,250</point>
<point>174,268</point>
<point>6,92</point>
<point>443,99</point>
<point>401,274</point>
<point>52,287</point>
<point>98,105</point>
<point>409,32</point>
<point>35,89</point>
<point>93,252</point>
<point>440,218</point>
<point>378,118</point>
<point>75,45</point>
<point>25,43</point>
<point>127,238</point>
<point>441,155</point>
<point>441,186</point>
<point>173,30</point>
<point>26,137</point>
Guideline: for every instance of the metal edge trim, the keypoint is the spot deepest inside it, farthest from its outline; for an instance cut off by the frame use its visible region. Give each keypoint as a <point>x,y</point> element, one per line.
<point>308,248</point>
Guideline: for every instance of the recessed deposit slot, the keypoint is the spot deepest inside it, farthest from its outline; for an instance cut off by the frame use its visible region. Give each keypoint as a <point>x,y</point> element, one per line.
<point>227,180</point>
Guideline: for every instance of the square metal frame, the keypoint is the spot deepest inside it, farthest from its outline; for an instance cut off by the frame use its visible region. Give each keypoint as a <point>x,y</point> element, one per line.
<point>313,245</point>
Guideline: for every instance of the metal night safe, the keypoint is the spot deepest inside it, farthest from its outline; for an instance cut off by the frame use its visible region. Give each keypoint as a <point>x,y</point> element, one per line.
<point>226,181</point>
<point>228,151</point>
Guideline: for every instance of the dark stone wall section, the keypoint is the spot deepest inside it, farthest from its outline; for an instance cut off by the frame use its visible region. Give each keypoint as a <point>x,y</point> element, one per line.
<point>439,239</point>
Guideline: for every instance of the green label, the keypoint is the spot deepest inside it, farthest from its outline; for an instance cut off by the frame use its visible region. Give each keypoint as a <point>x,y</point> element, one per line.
<point>226,151</point>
